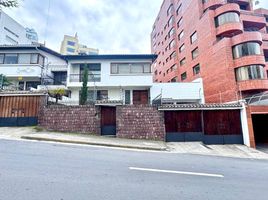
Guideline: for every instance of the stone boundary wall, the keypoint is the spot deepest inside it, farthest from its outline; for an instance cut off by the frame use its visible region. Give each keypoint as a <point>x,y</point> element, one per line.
<point>76,119</point>
<point>140,122</point>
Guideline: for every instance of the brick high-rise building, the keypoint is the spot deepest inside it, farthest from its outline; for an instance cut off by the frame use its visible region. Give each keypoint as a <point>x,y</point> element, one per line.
<point>223,41</point>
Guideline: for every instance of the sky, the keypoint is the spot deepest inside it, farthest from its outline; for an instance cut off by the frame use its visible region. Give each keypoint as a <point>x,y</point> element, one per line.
<point>113,26</point>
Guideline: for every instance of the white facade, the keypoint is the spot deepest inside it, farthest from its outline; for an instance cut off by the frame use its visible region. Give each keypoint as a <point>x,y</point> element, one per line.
<point>11,32</point>
<point>30,65</point>
<point>118,85</point>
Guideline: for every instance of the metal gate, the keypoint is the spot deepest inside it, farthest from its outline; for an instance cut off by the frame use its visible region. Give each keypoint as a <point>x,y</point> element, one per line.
<point>108,120</point>
<point>19,110</point>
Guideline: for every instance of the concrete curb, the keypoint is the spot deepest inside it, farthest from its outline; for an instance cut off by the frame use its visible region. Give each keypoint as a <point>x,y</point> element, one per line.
<point>93,143</point>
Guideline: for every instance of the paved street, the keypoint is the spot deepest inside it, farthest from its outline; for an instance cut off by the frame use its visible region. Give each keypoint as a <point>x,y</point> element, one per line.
<point>36,170</point>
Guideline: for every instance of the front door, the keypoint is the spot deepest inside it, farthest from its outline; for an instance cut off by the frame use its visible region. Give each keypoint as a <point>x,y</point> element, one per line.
<point>108,120</point>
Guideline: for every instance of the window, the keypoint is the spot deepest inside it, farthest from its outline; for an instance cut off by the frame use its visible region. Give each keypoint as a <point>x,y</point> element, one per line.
<point>226,18</point>
<point>34,58</point>
<point>175,79</point>
<point>70,43</point>
<point>171,32</point>
<point>11,58</point>
<point>173,67</point>
<point>181,35</point>
<point>60,78</point>
<point>173,55</point>
<point>172,44</point>
<point>2,57</point>
<point>182,47</point>
<point>170,10</point>
<point>183,76</point>
<point>24,58</point>
<point>246,49</point>
<point>94,72</point>
<point>171,21</point>
<point>204,1</point>
<point>183,61</point>
<point>32,84</point>
<point>70,50</point>
<point>97,95</point>
<point>249,72</point>
<point>193,37</point>
<point>130,68</point>
<point>127,97</point>
<point>196,69</point>
<point>41,59</point>
<point>178,10</point>
<point>195,53</point>
<point>179,23</point>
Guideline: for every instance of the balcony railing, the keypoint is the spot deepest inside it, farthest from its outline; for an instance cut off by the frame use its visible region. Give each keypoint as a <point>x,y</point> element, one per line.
<point>79,78</point>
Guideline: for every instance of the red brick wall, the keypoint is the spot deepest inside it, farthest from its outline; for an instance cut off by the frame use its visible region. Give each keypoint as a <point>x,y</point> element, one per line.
<point>140,122</point>
<point>78,119</point>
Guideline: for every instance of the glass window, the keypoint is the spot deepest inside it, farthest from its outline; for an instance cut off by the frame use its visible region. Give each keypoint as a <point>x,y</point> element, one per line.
<point>2,56</point>
<point>70,43</point>
<point>41,60</point>
<point>147,68</point>
<point>71,50</point>
<point>170,10</point>
<point>171,32</point>
<point>196,69</point>
<point>171,21</point>
<point>246,49</point>
<point>130,68</point>
<point>182,47</point>
<point>172,44</point>
<point>24,58</point>
<point>183,76</point>
<point>175,79</point>
<point>183,61</point>
<point>181,35</point>
<point>34,58</point>
<point>178,10</point>
<point>193,37</point>
<point>124,68</point>
<point>225,18</point>
<point>136,68</point>
<point>195,53</point>
<point>127,96</point>
<point>11,58</point>
<point>114,69</point>
<point>179,23</point>
<point>249,72</point>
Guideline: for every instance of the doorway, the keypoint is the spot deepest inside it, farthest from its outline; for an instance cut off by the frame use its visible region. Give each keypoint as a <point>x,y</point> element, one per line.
<point>108,120</point>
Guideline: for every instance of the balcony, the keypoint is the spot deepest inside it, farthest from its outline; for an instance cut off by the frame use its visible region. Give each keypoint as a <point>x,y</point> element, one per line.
<point>231,7</point>
<point>78,78</point>
<point>20,70</point>
<point>247,37</point>
<point>253,85</point>
<point>252,19</point>
<point>213,4</point>
<point>230,29</point>
<point>249,60</point>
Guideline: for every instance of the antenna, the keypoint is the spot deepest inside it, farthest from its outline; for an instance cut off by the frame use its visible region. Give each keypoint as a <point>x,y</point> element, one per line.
<point>47,19</point>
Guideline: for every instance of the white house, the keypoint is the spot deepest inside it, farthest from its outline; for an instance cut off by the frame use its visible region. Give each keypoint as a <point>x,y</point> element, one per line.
<point>126,79</point>
<point>30,66</point>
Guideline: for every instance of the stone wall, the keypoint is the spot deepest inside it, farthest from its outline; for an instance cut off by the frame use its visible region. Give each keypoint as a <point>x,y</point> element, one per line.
<point>140,122</point>
<point>78,119</point>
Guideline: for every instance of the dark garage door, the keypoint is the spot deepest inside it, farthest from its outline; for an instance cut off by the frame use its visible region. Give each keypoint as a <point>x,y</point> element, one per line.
<point>260,126</point>
<point>19,110</point>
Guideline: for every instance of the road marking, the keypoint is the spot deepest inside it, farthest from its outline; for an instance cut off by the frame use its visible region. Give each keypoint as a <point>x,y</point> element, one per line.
<point>176,172</point>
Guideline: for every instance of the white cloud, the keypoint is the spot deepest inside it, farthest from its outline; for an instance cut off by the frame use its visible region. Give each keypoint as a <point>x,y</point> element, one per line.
<point>112,26</point>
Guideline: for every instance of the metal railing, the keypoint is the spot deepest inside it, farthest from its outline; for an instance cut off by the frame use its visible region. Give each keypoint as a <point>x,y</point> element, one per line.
<point>79,78</point>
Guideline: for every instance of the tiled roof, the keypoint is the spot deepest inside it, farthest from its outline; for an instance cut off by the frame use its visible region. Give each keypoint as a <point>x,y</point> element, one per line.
<point>200,106</point>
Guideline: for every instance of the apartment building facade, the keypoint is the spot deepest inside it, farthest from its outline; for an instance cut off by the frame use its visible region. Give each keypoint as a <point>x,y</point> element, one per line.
<point>29,67</point>
<point>223,41</point>
<point>12,33</point>
<point>71,46</point>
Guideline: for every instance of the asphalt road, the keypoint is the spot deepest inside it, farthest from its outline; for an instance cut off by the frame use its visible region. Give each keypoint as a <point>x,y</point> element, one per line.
<point>35,170</point>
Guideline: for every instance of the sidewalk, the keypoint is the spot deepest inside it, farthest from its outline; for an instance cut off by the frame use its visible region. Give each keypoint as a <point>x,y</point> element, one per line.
<point>235,151</point>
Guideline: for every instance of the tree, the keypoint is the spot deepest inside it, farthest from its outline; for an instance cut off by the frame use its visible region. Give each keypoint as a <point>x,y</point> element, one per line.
<point>57,93</point>
<point>84,92</point>
<point>9,3</point>
<point>3,81</point>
